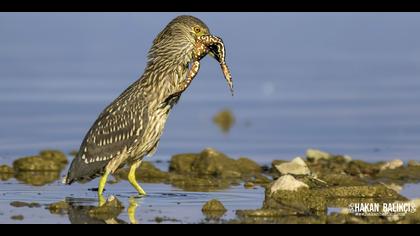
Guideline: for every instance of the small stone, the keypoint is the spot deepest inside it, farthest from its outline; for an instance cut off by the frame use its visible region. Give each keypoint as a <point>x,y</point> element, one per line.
<point>249,185</point>
<point>17,217</point>
<point>413,163</point>
<point>296,167</point>
<point>60,208</point>
<point>347,158</point>
<point>287,183</point>
<point>315,155</point>
<point>19,204</point>
<point>4,169</point>
<point>213,205</point>
<point>392,165</point>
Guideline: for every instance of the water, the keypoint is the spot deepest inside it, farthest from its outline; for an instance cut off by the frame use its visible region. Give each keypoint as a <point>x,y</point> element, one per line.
<point>346,83</point>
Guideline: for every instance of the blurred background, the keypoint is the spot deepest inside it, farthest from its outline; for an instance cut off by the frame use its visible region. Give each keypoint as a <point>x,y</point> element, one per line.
<point>346,83</point>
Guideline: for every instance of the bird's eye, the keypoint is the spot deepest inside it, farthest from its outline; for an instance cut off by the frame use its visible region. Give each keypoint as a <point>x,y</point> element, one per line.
<point>197,30</point>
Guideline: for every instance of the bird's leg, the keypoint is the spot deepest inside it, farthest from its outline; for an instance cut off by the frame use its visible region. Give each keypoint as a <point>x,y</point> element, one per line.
<point>101,187</point>
<point>132,178</point>
<point>132,210</point>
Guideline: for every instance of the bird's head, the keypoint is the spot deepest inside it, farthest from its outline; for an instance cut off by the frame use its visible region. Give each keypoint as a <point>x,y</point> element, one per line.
<point>177,40</point>
<point>184,39</point>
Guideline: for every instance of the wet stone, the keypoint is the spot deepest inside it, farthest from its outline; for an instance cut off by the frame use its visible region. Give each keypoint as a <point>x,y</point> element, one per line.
<point>36,163</point>
<point>287,183</point>
<point>111,209</point>
<point>37,178</point>
<point>213,209</point>
<point>59,208</point>
<point>296,167</point>
<point>5,169</point>
<point>17,217</point>
<point>413,163</point>
<point>391,165</point>
<point>315,155</point>
<point>19,204</point>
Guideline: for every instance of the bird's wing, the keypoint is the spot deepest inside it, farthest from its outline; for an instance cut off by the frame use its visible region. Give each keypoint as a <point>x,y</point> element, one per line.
<point>117,129</point>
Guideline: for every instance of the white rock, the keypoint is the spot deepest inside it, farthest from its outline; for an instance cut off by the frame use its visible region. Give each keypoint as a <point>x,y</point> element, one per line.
<point>296,167</point>
<point>316,155</point>
<point>391,165</point>
<point>413,163</point>
<point>348,158</point>
<point>287,183</point>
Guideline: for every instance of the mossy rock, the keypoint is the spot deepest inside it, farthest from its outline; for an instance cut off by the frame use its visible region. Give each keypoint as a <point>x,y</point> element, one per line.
<point>37,178</point>
<point>198,184</point>
<point>183,163</point>
<point>54,155</point>
<point>211,162</point>
<point>213,209</point>
<point>147,173</point>
<point>6,172</point>
<point>111,209</point>
<point>5,169</point>
<point>59,208</point>
<point>409,174</point>
<point>36,163</point>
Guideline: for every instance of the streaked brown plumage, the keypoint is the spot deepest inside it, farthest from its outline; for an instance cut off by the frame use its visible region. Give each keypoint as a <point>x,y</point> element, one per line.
<point>131,126</point>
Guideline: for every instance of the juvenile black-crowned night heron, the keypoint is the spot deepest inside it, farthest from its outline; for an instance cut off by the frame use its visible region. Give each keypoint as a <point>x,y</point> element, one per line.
<point>130,128</point>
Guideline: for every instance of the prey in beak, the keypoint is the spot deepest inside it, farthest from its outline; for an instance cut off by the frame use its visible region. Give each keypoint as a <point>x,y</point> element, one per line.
<point>214,46</point>
<point>216,49</point>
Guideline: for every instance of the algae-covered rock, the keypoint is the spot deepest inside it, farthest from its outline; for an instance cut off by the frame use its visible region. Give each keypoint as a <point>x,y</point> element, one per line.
<point>48,160</point>
<point>17,217</point>
<point>37,178</point>
<point>36,163</point>
<point>315,155</point>
<point>391,165</point>
<point>249,185</point>
<point>213,209</point>
<point>19,204</point>
<point>147,172</point>
<point>296,167</point>
<point>111,209</point>
<point>248,167</point>
<point>401,175</point>
<point>225,120</point>
<point>200,184</point>
<point>213,205</point>
<point>183,163</point>
<point>413,163</point>
<point>211,162</point>
<point>6,172</point>
<point>215,163</point>
<point>59,208</point>
<point>287,183</point>
<point>5,169</point>
<point>54,155</point>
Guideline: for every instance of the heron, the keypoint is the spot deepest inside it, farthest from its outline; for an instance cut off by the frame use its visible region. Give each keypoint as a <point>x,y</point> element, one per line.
<point>129,129</point>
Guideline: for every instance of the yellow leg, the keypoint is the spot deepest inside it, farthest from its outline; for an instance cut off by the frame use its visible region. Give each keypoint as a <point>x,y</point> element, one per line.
<point>132,211</point>
<point>132,178</point>
<point>101,187</point>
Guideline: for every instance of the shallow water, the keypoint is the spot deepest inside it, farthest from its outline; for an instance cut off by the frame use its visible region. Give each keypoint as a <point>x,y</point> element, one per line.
<point>163,201</point>
<point>346,83</point>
